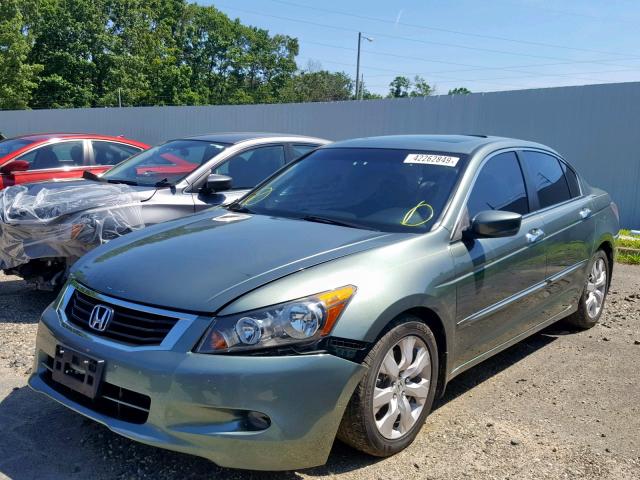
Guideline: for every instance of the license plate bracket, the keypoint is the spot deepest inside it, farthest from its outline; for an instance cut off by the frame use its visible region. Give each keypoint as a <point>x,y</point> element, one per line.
<point>77,371</point>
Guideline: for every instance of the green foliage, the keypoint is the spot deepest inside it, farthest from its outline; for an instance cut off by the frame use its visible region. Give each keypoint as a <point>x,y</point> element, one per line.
<point>459,91</point>
<point>96,53</point>
<point>628,248</point>
<point>320,86</point>
<point>17,76</point>
<point>402,87</point>
<point>399,87</point>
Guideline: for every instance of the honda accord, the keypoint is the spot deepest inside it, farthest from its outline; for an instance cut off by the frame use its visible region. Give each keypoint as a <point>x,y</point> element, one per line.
<point>337,298</point>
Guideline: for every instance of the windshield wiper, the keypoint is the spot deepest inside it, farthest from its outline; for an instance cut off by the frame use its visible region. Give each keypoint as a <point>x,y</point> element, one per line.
<point>92,176</point>
<point>236,207</point>
<point>164,183</point>
<point>332,221</point>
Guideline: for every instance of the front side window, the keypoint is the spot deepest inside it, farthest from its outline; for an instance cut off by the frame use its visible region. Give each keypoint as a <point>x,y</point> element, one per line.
<point>56,155</point>
<point>499,186</point>
<point>548,178</point>
<point>167,163</point>
<point>249,168</point>
<point>111,153</point>
<point>379,189</point>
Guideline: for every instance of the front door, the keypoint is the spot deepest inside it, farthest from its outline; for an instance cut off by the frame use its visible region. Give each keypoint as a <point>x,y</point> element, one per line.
<point>498,278</point>
<point>246,169</point>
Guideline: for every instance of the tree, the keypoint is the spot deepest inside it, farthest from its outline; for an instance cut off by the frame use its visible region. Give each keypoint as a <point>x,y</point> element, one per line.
<point>320,86</point>
<point>421,88</point>
<point>459,91</point>
<point>17,77</point>
<point>399,87</point>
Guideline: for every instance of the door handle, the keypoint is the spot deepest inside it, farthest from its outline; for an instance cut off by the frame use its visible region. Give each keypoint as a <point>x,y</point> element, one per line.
<point>534,235</point>
<point>585,213</point>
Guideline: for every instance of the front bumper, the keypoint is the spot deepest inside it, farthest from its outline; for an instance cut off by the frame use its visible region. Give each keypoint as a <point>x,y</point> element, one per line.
<point>199,403</point>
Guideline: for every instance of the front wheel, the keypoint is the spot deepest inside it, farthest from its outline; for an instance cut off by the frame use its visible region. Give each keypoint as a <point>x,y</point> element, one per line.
<point>392,400</point>
<point>594,294</point>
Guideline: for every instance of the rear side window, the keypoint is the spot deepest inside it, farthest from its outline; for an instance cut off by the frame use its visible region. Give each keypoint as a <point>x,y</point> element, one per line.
<point>548,178</point>
<point>572,180</point>
<point>299,150</point>
<point>111,153</point>
<point>499,186</point>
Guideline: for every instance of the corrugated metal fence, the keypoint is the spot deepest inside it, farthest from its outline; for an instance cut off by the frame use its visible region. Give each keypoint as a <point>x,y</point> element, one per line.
<point>596,127</point>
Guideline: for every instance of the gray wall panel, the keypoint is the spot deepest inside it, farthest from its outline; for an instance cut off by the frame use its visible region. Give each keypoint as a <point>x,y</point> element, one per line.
<point>595,127</point>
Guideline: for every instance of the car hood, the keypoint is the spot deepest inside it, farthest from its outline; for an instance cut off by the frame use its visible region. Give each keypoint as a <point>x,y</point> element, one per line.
<point>54,201</point>
<point>201,263</point>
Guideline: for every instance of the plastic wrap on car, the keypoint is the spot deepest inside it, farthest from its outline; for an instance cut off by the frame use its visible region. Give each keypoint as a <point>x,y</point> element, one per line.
<point>63,222</point>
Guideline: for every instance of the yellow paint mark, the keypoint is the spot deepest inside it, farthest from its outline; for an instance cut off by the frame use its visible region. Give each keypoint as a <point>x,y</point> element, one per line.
<point>413,211</point>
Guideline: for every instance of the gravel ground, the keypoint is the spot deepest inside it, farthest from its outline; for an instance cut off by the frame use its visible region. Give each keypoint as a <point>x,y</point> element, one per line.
<point>561,404</point>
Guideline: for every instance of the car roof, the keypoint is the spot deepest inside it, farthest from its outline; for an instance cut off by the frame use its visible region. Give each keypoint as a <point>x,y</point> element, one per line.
<point>238,137</point>
<point>40,137</point>
<point>462,144</point>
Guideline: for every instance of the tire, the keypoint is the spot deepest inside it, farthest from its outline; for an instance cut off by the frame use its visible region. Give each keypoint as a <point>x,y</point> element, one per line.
<point>587,316</point>
<point>360,424</point>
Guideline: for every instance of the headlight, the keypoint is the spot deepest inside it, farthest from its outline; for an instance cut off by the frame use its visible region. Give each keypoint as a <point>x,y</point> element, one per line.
<point>298,321</point>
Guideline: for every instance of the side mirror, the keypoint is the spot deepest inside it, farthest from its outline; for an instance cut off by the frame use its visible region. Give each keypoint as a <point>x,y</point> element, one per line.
<point>495,223</point>
<point>217,183</point>
<point>14,166</point>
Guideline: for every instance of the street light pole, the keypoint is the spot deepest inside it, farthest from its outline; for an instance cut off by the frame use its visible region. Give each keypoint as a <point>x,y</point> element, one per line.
<point>358,68</point>
<point>358,82</point>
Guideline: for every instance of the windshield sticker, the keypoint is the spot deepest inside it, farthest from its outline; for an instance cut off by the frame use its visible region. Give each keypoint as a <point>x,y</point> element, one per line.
<point>428,159</point>
<point>231,217</point>
<point>409,221</point>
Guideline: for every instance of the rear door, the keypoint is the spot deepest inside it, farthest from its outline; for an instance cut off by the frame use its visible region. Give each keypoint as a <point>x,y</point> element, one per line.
<point>568,227</point>
<point>498,278</point>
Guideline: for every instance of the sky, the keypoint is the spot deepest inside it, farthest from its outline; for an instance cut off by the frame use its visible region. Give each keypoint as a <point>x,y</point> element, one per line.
<point>483,45</point>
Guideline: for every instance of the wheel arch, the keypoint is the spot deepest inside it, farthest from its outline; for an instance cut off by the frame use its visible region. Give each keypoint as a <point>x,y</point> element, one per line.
<point>607,245</point>
<point>432,316</point>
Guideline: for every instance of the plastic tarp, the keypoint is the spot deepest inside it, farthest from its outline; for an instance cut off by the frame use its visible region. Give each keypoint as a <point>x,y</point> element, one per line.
<point>66,221</point>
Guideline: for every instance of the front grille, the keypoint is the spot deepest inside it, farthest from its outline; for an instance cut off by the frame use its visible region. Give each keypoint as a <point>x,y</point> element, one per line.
<point>133,327</point>
<point>112,401</point>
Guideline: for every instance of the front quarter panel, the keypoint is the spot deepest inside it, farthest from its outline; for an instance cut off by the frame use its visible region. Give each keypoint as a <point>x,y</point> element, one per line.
<point>411,273</point>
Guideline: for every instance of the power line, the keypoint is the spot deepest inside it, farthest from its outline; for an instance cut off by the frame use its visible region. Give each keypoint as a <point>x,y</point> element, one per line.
<point>324,25</point>
<point>445,30</point>
<point>527,74</point>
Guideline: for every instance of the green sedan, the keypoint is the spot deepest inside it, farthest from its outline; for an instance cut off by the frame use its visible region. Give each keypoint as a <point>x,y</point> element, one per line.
<point>336,299</point>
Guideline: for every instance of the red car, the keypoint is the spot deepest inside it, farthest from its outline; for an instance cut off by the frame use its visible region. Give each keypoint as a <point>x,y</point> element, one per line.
<point>52,156</point>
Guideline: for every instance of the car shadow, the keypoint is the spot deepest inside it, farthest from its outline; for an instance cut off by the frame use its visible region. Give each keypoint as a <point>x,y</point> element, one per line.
<point>42,439</point>
<point>22,303</point>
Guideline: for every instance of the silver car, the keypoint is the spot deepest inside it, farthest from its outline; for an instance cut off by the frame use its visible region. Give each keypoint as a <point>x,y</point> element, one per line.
<point>337,298</point>
<point>45,227</point>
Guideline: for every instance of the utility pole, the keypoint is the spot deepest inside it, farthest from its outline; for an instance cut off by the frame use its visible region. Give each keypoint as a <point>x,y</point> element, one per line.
<point>360,37</point>
<point>119,98</point>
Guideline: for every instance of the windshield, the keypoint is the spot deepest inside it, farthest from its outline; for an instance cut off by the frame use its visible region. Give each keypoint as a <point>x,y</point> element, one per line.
<point>13,145</point>
<point>379,189</point>
<point>167,163</point>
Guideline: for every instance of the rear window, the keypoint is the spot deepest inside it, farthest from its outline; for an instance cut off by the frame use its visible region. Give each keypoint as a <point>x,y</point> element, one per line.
<point>379,189</point>
<point>12,145</point>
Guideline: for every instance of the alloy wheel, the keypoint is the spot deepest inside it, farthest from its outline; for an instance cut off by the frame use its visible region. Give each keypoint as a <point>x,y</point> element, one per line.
<point>402,387</point>
<point>596,288</point>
